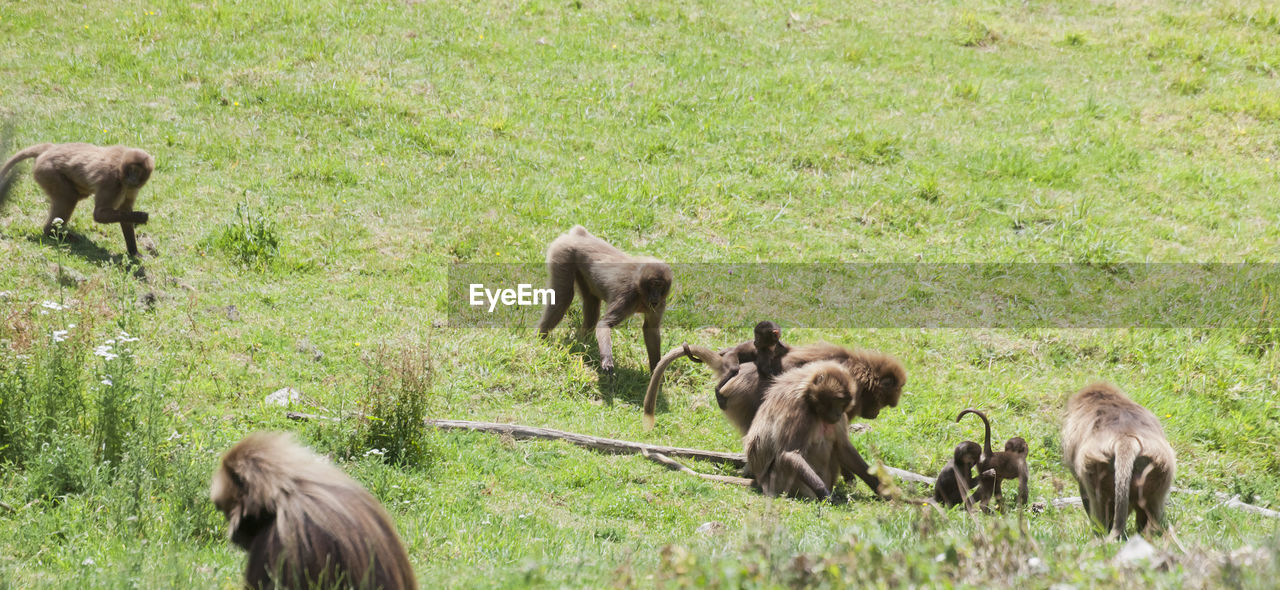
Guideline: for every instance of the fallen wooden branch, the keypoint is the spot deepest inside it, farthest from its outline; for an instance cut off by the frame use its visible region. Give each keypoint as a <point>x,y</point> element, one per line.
<point>607,445</point>
<point>1234,502</point>
<point>675,466</point>
<point>8,507</point>
<point>662,454</point>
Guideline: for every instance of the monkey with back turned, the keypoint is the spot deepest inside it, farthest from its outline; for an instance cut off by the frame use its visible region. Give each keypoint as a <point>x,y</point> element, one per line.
<point>1117,451</point>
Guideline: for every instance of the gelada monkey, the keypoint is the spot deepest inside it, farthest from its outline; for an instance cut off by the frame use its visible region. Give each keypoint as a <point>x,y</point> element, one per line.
<point>880,379</point>
<point>304,523</point>
<point>795,444</point>
<point>627,284</point>
<point>956,479</point>
<point>70,172</point>
<point>1117,451</point>
<point>995,467</point>
<point>766,350</point>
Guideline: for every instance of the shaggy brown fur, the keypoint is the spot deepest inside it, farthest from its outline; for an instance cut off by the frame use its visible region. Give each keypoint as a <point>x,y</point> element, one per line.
<point>957,479</point>
<point>880,379</point>
<point>796,442</point>
<point>627,284</point>
<point>305,523</point>
<point>70,172</point>
<point>1117,451</point>
<point>995,467</point>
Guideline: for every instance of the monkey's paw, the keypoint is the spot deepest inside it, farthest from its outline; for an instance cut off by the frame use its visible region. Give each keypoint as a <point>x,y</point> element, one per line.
<point>140,216</point>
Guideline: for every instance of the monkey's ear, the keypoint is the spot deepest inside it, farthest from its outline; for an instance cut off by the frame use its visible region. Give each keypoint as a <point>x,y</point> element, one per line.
<point>818,379</point>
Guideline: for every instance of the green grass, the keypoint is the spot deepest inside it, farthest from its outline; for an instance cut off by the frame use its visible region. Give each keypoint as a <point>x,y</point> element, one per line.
<point>320,164</point>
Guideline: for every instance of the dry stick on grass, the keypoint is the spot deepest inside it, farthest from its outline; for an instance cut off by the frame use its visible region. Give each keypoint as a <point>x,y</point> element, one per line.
<point>675,466</point>
<point>663,454</point>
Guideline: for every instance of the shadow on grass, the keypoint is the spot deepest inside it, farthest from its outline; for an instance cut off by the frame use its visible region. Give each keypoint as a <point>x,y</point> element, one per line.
<point>81,246</point>
<point>626,384</point>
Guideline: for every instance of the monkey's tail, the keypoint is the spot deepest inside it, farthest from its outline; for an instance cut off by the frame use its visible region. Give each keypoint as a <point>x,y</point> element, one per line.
<point>1126,452</point>
<point>7,179</point>
<point>986,441</point>
<point>697,353</point>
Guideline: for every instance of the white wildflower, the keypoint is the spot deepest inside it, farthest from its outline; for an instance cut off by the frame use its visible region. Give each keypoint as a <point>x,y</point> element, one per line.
<point>378,452</point>
<point>107,381</point>
<point>54,305</point>
<point>125,337</point>
<point>104,351</point>
<point>59,335</point>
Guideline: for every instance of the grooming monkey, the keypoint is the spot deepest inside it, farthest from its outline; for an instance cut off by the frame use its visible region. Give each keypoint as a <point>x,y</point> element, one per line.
<point>995,467</point>
<point>956,479</point>
<point>766,350</point>
<point>70,172</point>
<point>1117,451</point>
<point>627,284</point>
<point>880,379</point>
<point>795,445</point>
<point>304,523</point>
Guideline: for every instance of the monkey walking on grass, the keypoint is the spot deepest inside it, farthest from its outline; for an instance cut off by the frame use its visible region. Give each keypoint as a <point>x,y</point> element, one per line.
<point>71,172</point>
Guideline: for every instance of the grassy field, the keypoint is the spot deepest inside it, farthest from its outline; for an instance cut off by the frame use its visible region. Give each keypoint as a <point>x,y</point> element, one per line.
<point>321,164</point>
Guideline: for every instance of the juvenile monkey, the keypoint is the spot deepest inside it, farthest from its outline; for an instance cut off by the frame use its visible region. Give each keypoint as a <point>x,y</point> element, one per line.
<point>956,479</point>
<point>1117,451</point>
<point>796,441</point>
<point>766,350</point>
<point>995,467</point>
<point>304,523</point>
<point>628,284</point>
<point>70,172</point>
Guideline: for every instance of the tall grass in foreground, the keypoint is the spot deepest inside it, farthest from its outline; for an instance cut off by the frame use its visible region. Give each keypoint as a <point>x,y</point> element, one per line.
<point>79,418</point>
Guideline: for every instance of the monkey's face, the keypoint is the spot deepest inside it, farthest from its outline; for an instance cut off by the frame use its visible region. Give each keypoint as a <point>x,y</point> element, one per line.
<point>655,287</point>
<point>886,393</point>
<point>829,395</point>
<point>224,492</point>
<point>967,455</point>
<point>135,174</point>
<point>767,333</point>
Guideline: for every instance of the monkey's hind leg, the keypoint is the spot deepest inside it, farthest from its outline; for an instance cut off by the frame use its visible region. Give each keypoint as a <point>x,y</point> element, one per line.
<point>63,197</point>
<point>561,283</point>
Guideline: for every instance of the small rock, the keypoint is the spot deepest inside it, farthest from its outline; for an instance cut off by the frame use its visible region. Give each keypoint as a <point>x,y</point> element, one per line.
<point>149,245</point>
<point>710,528</point>
<point>859,427</point>
<point>306,347</point>
<point>1137,550</point>
<point>283,397</point>
<point>233,314</point>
